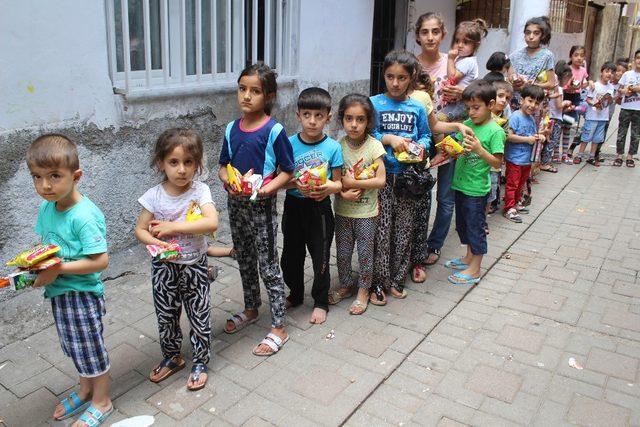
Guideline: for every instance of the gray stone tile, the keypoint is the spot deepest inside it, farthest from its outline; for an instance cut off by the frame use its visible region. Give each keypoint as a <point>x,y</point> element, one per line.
<point>495,383</point>
<point>612,364</point>
<point>521,339</point>
<point>590,412</point>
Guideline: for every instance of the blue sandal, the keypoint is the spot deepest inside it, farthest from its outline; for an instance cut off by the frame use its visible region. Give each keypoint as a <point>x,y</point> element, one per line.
<point>456,264</point>
<point>196,370</point>
<point>93,417</point>
<point>78,406</point>
<point>458,278</point>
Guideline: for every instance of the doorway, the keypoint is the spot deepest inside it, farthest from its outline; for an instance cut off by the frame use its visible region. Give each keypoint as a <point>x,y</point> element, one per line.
<point>389,32</point>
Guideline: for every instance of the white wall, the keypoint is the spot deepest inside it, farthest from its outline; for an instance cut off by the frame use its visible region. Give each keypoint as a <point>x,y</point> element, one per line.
<point>446,8</point>
<point>496,41</point>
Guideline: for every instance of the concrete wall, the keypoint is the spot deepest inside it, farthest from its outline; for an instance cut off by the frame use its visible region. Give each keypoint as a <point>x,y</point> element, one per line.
<point>604,43</point>
<point>55,78</point>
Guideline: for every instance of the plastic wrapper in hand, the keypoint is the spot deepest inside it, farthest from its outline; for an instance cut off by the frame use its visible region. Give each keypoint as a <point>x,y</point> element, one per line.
<point>452,147</point>
<point>414,154</point>
<point>361,172</point>
<point>165,253</point>
<point>313,176</point>
<point>33,256</point>
<point>247,184</point>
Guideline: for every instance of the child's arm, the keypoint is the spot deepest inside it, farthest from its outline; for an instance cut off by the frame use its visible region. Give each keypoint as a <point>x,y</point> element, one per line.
<point>332,186</point>
<point>93,263</point>
<point>473,144</point>
<point>378,181</point>
<point>452,72</point>
<point>517,139</point>
<point>142,229</point>
<point>207,224</point>
<point>275,184</point>
<point>448,127</point>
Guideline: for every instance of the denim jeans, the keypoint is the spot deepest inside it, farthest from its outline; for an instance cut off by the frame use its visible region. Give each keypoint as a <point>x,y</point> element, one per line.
<point>446,203</point>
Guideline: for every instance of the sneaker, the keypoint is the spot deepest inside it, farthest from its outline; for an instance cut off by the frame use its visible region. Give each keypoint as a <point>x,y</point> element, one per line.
<point>512,215</point>
<point>522,209</point>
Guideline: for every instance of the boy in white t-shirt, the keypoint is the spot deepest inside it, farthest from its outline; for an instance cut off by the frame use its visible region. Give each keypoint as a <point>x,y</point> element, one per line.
<point>629,112</point>
<point>599,99</point>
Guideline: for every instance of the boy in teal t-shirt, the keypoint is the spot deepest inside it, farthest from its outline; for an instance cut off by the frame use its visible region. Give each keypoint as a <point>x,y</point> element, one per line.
<point>472,180</point>
<point>71,221</point>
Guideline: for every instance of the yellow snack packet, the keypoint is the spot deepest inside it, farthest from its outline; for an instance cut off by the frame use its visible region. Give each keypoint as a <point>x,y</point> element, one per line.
<point>234,178</point>
<point>33,256</point>
<point>451,146</point>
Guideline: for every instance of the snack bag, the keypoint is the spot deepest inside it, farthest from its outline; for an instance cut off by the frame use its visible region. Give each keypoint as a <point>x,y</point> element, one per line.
<point>234,178</point>
<point>47,263</point>
<point>251,185</point>
<point>162,253</point>
<point>367,172</point>
<point>414,154</point>
<point>451,146</point>
<point>193,212</point>
<point>542,77</point>
<point>247,184</point>
<point>501,121</point>
<point>33,256</point>
<point>313,176</point>
<point>22,279</point>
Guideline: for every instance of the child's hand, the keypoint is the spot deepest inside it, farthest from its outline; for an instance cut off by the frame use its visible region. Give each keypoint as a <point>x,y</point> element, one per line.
<point>466,131</point>
<point>540,137</point>
<point>303,188</point>
<point>160,229</point>
<point>47,276</point>
<point>532,139</point>
<point>471,143</point>
<point>230,190</point>
<point>351,194</point>
<point>453,54</point>
<point>398,143</point>
<point>320,192</point>
<point>348,181</point>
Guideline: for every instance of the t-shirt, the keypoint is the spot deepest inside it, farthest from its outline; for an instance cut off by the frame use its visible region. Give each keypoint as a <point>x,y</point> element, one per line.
<point>403,118</point>
<point>579,75</point>
<point>632,102</point>
<point>471,175</point>
<point>598,92</point>
<point>263,149</point>
<point>531,66</point>
<point>555,112</point>
<point>80,231</point>
<point>444,111</point>
<point>166,207</point>
<point>522,125</point>
<point>468,66</point>
<point>367,205</point>
<point>305,154</point>
<point>423,98</point>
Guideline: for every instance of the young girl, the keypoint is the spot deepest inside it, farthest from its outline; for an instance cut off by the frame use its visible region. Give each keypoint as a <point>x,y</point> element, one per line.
<point>550,152</point>
<point>178,155</point>
<point>498,65</point>
<point>357,204</point>
<point>400,121</point>
<point>572,92</point>
<point>257,142</point>
<point>462,64</point>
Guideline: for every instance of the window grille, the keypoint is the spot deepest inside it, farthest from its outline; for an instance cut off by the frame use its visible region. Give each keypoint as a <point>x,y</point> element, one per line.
<point>495,12</point>
<point>567,16</point>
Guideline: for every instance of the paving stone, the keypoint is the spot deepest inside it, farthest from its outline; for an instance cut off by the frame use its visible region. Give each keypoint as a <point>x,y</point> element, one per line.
<point>319,384</point>
<point>32,410</point>
<point>562,274</point>
<point>520,338</point>
<point>178,402</point>
<point>52,379</point>
<point>573,252</point>
<point>369,342</point>
<point>626,289</point>
<point>613,364</point>
<point>622,319</point>
<point>590,412</point>
<point>544,299</point>
<point>448,422</point>
<point>495,383</point>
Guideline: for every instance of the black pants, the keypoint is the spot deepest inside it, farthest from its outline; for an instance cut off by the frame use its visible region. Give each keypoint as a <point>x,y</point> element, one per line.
<point>307,224</point>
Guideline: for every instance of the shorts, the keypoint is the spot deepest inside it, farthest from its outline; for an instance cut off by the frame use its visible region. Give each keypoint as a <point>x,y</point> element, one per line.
<point>78,318</point>
<point>470,221</point>
<point>593,131</point>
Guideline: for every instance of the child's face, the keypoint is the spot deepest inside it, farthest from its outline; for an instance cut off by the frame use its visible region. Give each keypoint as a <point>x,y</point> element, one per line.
<point>54,184</point>
<point>577,59</point>
<point>479,112</point>
<point>463,45</point>
<point>529,105</point>
<point>313,123</point>
<point>180,167</point>
<point>430,35</point>
<point>636,62</point>
<point>355,122</point>
<point>564,80</point>
<point>606,74</point>
<point>502,100</point>
<point>251,97</point>
<point>397,81</point>
<point>620,70</point>
<point>532,36</point>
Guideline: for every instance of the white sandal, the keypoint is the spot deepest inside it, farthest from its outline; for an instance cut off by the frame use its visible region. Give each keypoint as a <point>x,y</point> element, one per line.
<point>241,321</point>
<point>274,342</point>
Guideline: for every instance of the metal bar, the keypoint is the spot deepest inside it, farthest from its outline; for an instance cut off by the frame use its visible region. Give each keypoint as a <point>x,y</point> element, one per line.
<point>289,35</point>
<point>278,63</point>
<point>147,42</point>
<point>254,32</point>
<point>198,39</point>
<point>227,44</point>
<point>111,34</point>
<point>164,25</point>
<point>267,33</point>
<point>214,38</point>
<point>183,42</point>
<point>243,41</point>
<point>124,7</point>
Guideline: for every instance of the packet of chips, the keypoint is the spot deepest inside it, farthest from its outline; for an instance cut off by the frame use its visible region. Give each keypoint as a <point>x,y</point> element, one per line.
<point>414,154</point>
<point>451,146</point>
<point>33,256</point>
<point>47,263</point>
<point>313,176</point>
<point>234,178</point>
<point>165,253</point>
<point>247,184</point>
<point>361,172</point>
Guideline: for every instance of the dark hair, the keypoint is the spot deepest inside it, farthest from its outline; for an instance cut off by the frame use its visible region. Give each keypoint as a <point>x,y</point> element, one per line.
<point>533,91</point>
<point>188,139</point>
<point>479,89</point>
<point>427,17</point>
<point>423,79</point>
<point>608,66</point>
<point>493,76</point>
<point>574,49</point>
<point>364,101</point>
<point>545,27</point>
<point>622,62</point>
<point>497,61</point>
<point>407,60</point>
<point>474,31</point>
<point>503,85</point>
<point>562,69</point>
<point>314,98</point>
<point>53,150</point>
<point>268,80</point>
<point>636,54</point>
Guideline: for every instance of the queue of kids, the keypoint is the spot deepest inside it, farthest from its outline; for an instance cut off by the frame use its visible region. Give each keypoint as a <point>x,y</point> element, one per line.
<point>437,125</point>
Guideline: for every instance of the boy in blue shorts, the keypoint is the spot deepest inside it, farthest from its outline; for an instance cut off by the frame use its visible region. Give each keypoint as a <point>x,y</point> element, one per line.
<point>307,221</point>
<point>70,220</point>
<point>472,180</point>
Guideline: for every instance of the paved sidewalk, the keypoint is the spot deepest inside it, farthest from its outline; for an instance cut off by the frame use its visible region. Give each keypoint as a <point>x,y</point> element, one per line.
<point>563,284</point>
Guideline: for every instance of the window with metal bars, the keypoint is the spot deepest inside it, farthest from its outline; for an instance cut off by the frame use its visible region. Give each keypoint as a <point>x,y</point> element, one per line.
<point>495,12</point>
<point>567,16</point>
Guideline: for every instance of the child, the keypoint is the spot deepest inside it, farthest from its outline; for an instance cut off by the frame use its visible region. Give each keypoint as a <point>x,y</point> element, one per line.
<point>401,120</point>
<point>307,219</point>
<point>179,155</point>
<point>573,92</point>
<point>629,113</point>
<point>471,180</point>
<point>600,99</point>
<point>357,204</point>
<point>462,64</point>
<point>557,106</point>
<point>522,135</point>
<point>498,65</point>
<point>257,142</point>
<point>504,92</point>
<point>70,220</point>
<point>622,66</point>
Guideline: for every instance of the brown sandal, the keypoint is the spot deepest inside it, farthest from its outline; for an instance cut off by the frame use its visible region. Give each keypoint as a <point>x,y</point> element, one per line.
<point>358,307</point>
<point>172,365</point>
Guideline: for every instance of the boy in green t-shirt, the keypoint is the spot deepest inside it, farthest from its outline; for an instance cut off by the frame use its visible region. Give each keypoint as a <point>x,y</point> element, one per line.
<point>70,220</point>
<point>472,180</point>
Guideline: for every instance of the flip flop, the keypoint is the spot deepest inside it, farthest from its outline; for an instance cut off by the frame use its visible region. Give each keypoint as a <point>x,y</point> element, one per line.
<point>335,296</point>
<point>78,406</point>
<point>403,293</point>
<point>433,251</point>
<point>240,321</point>
<point>94,417</point>
<point>357,305</point>
<point>458,278</point>
<point>456,264</point>
<point>274,342</point>
<point>380,298</point>
<point>196,370</point>
<point>550,169</point>
<point>169,363</point>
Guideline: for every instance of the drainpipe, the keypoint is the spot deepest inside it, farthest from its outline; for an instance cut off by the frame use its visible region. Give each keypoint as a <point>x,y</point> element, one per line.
<point>615,43</point>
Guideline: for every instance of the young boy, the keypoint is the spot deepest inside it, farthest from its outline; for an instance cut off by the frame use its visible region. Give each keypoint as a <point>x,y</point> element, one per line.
<point>472,181</point>
<point>629,113</point>
<point>600,100</point>
<point>500,114</point>
<point>308,219</point>
<point>521,136</point>
<point>70,220</point>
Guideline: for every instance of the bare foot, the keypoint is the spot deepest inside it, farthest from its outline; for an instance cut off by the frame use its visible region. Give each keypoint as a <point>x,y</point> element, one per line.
<point>196,385</point>
<point>264,349</point>
<point>230,326</point>
<point>59,411</point>
<point>318,316</point>
<point>103,407</point>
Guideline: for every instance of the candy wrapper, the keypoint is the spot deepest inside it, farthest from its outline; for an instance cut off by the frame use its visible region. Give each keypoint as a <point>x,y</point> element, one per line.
<point>361,172</point>
<point>47,263</point>
<point>194,213</point>
<point>165,253</point>
<point>414,154</point>
<point>247,184</point>
<point>33,256</point>
<point>313,176</point>
<point>21,279</point>
<point>4,282</point>
<point>452,147</point>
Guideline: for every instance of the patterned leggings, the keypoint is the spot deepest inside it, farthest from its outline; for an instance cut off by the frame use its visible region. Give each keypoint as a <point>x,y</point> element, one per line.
<point>254,228</point>
<point>551,147</point>
<point>349,232</point>
<point>419,244</point>
<point>393,239</point>
<point>177,285</point>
